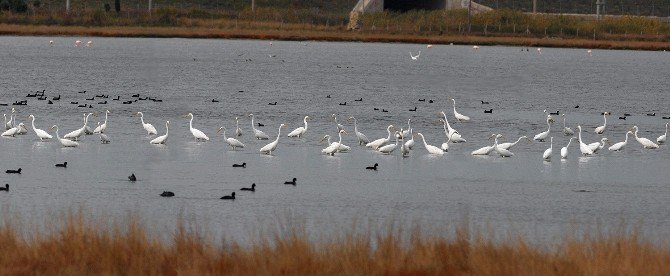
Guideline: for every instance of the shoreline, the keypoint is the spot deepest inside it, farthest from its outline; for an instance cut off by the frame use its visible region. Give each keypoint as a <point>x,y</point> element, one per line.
<point>325,35</point>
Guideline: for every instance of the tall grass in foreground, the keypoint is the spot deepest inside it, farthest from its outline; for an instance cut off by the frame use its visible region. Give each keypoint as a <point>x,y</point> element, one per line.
<point>78,246</point>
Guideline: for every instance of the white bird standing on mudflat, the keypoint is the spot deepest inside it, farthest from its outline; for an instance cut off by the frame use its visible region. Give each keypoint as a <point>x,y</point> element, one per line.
<point>269,148</point>
<point>381,141</point>
<point>460,117</point>
<point>76,134</point>
<point>362,139</point>
<point>584,148</point>
<point>151,130</point>
<point>163,138</point>
<point>199,135</point>
<point>619,146</point>
<point>342,148</point>
<point>103,127</point>
<point>430,148</point>
<point>601,129</point>
<point>646,143</point>
<point>661,139</point>
<point>299,131</point>
<point>564,150</point>
<point>335,146</point>
<point>40,133</point>
<point>566,130</point>
<point>232,142</point>
<point>544,135</point>
<point>547,153</point>
<point>413,56</point>
<point>259,134</point>
<point>64,142</point>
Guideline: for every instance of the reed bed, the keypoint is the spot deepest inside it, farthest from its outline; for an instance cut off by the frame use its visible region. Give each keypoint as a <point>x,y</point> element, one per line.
<point>77,245</point>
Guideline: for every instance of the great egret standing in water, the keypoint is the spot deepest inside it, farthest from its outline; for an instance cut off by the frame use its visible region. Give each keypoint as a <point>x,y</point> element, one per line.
<point>564,150</point>
<point>64,142</point>
<point>459,116</point>
<point>566,130</point>
<point>151,130</point>
<point>163,138</point>
<point>76,134</point>
<point>103,127</point>
<point>547,153</point>
<point>238,130</point>
<point>509,145</point>
<point>199,135</point>
<point>413,56</point>
<point>430,148</point>
<point>646,143</point>
<point>661,139</point>
<point>259,134</point>
<point>269,148</point>
<point>619,146</point>
<point>584,148</point>
<point>601,129</point>
<point>334,147</point>
<point>381,141</point>
<point>342,148</point>
<point>232,142</point>
<point>299,131</point>
<point>543,135</point>
<point>362,139</point>
<point>40,133</point>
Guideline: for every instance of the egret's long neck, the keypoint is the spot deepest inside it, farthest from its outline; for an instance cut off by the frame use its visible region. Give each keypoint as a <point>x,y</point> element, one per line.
<point>86,120</point>
<point>237,123</point>
<point>626,140</point>
<point>356,127</point>
<point>569,141</point>
<point>106,113</point>
<point>142,118</point>
<point>564,123</point>
<point>495,142</point>
<point>517,141</point>
<point>340,141</point>
<point>424,140</point>
<point>190,123</point>
<point>389,132</point>
<point>252,122</point>
<point>33,123</point>
<point>551,142</point>
<point>666,129</point>
<point>305,120</point>
<point>224,134</point>
<point>328,139</point>
<point>167,128</point>
<point>278,134</point>
<point>57,136</point>
<point>548,126</point>
<point>580,134</point>
<point>605,116</point>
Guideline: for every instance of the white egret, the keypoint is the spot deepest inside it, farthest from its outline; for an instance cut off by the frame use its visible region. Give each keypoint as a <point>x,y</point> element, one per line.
<point>566,130</point>
<point>406,132</point>
<point>339,126</point>
<point>342,148</point>
<point>597,146</point>
<point>163,138</point>
<point>539,51</point>
<point>76,134</point>
<point>51,43</point>
<point>260,135</point>
<point>12,131</point>
<point>103,127</point>
<point>430,148</point>
<point>661,139</point>
<point>103,137</point>
<point>362,139</point>
<point>564,150</point>
<point>40,133</point>
<point>460,117</point>
<point>199,135</point>
<point>381,141</point>
<point>410,143</point>
<point>413,56</point>
<point>269,148</point>
<point>9,124</point>
<point>334,147</point>
<point>543,136</point>
<point>404,149</point>
<point>584,148</point>
<point>445,145</point>
<point>601,129</point>
<point>509,145</point>
<point>299,131</point>
<point>151,130</point>
<point>238,130</point>
<point>475,47</point>
<point>619,146</point>
<point>547,153</point>
<point>646,143</point>
<point>89,43</point>
<point>77,43</point>
<point>488,149</point>
<point>590,52</point>
<point>501,151</point>
<point>232,142</point>
<point>388,149</point>
<point>451,133</point>
<point>64,142</point>
<point>22,129</point>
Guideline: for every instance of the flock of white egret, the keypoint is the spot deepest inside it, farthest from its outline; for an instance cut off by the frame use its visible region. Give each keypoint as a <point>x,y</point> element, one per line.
<point>403,137</point>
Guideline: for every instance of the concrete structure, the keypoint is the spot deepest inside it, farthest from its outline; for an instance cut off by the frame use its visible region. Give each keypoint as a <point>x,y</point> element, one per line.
<point>364,6</point>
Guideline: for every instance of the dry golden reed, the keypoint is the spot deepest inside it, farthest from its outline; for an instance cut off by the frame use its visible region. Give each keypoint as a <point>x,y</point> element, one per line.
<point>79,246</point>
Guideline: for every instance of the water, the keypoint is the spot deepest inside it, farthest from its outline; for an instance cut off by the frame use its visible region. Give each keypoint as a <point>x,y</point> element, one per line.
<point>521,193</point>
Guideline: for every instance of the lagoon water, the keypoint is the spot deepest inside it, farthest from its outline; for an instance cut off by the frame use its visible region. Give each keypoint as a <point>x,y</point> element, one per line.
<point>522,194</point>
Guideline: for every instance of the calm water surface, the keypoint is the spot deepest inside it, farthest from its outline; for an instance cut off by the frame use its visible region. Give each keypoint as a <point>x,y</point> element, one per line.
<point>521,193</point>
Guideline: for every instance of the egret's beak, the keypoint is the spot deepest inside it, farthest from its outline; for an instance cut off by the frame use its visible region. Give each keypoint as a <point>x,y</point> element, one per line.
<point>531,141</point>
<point>217,132</point>
<point>323,139</point>
<point>185,116</point>
<point>345,132</point>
